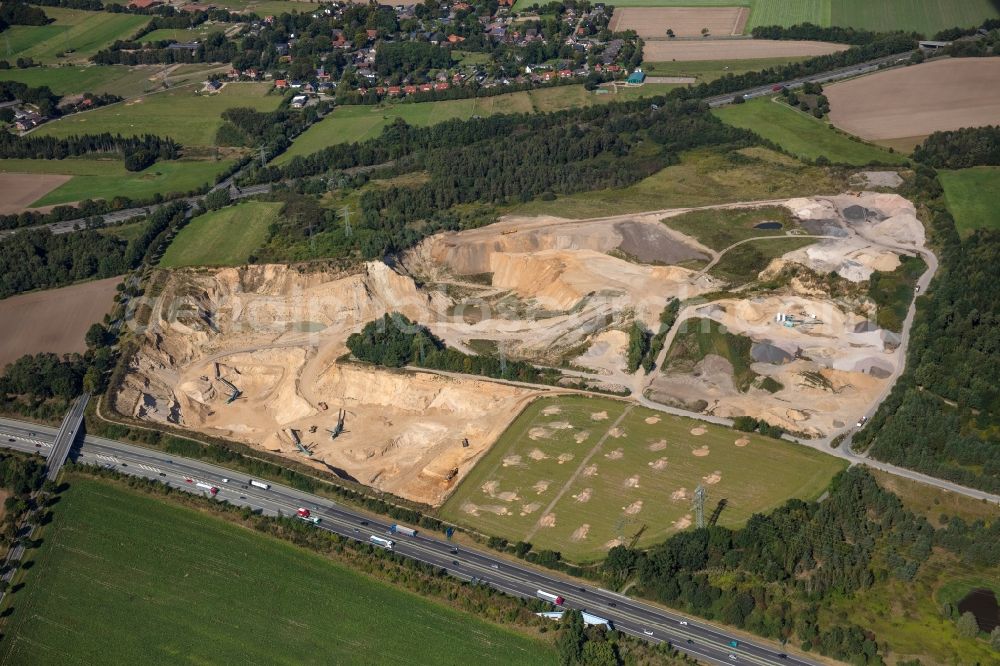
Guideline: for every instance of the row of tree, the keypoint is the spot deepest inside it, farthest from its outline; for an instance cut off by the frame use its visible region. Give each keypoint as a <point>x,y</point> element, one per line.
<point>55,148</point>
<point>215,48</point>
<point>813,32</point>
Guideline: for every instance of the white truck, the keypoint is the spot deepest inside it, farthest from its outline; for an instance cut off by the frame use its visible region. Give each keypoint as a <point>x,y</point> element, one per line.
<point>400,529</point>
<point>381,543</point>
<point>207,486</point>
<point>551,598</point>
<point>259,484</point>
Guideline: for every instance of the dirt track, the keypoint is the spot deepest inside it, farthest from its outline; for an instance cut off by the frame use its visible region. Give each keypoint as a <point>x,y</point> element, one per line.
<point>684,21</point>
<point>19,190</point>
<point>52,321</point>
<point>733,49</point>
<point>915,101</point>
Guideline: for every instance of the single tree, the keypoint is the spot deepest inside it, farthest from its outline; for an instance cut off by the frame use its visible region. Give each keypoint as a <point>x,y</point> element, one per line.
<point>967,625</point>
<point>670,33</point>
<point>704,32</point>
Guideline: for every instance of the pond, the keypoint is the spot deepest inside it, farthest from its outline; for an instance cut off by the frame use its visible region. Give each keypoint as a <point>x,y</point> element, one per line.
<point>983,604</point>
<point>768,225</point>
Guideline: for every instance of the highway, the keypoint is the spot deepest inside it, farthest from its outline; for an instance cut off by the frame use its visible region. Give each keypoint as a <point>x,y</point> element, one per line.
<point>705,642</point>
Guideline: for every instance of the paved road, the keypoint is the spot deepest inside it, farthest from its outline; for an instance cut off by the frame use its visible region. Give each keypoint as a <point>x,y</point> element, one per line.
<point>822,77</point>
<point>709,644</point>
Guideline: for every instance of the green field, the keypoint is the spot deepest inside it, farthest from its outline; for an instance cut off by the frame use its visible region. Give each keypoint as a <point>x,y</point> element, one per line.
<point>697,338</point>
<point>225,237</point>
<point>702,178</point>
<point>106,179</point>
<point>361,122</point>
<point>599,463</point>
<point>84,32</point>
<point>181,114</point>
<point>801,134</point>
<point>709,70</point>
<point>720,228</point>
<point>126,578</point>
<point>196,34</point>
<point>113,79</point>
<point>973,197</point>
<point>743,263</point>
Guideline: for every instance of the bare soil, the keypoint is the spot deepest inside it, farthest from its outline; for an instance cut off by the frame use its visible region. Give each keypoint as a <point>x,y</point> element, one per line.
<point>684,21</point>
<point>52,321</point>
<point>733,49</point>
<point>19,190</point>
<point>915,101</point>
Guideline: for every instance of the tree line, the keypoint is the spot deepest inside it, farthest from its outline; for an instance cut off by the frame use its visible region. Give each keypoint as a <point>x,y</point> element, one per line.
<point>54,148</point>
<point>813,32</point>
<point>21,13</point>
<point>215,48</point>
<point>962,148</point>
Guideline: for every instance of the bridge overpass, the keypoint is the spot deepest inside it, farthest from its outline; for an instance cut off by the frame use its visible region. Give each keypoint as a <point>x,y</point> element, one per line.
<point>65,436</point>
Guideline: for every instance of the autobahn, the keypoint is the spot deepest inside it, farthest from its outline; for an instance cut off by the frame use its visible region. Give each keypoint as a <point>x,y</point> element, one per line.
<point>705,642</point>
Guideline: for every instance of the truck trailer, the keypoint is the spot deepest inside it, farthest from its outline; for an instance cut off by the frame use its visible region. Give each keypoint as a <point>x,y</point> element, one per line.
<point>551,598</point>
<point>259,484</point>
<point>400,529</point>
<point>381,543</point>
<point>205,486</point>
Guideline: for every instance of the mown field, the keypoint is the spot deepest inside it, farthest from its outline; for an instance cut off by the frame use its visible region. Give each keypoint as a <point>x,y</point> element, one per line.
<point>79,34</point>
<point>718,229</point>
<point>126,578</point>
<point>181,114</point>
<point>360,122</point>
<point>574,474</point>
<point>801,134</point>
<point>115,79</point>
<point>709,70</point>
<point>196,34</point>
<point>225,237</point>
<point>973,197</point>
<point>702,178</point>
<point>106,179</point>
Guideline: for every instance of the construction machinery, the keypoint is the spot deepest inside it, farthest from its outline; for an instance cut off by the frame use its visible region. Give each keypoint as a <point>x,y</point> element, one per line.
<point>339,428</point>
<point>235,392</point>
<point>294,434</point>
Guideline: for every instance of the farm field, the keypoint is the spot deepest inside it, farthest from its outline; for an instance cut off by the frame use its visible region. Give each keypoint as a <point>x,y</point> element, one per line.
<point>361,122</point>
<point>575,474</point>
<point>225,237</point>
<point>54,321</point>
<point>801,134</point>
<point>19,190</point>
<point>709,70</point>
<point>115,79</point>
<point>84,32</point>
<point>181,114</point>
<point>155,583</point>
<point>923,16</point>
<point>973,197</point>
<point>895,104</point>
<point>703,177</point>
<point>106,179</point>
<point>653,22</point>
<point>736,49</point>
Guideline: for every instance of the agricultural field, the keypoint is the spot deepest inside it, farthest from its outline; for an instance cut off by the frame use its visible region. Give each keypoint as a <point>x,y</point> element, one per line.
<point>578,474</point>
<point>702,178</point>
<point>923,16</point>
<point>19,190</point>
<point>106,179</point>
<point>735,49</point>
<point>55,320</point>
<point>973,197</point>
<point>709,70</point>
<point>225,237</point>
<point>894,105</point>
<point>155,583</point>
<point>360,122</point>
<point>653,22</point>
<point>190,118</point>
<point>81,33</point>
<point>114,79</point>
<point>801,134</point>
<point>196,34</point>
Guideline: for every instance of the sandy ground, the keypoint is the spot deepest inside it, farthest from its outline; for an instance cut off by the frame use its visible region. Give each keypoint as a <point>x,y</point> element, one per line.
<point>833,362</point>
<point>684,21</point>
<point>19,190</point>
<point>914,101</point>
<point>733,49</point>
<point>52,321</point>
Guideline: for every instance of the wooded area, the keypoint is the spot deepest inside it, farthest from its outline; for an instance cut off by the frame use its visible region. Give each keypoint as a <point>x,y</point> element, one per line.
<point>958,149</point>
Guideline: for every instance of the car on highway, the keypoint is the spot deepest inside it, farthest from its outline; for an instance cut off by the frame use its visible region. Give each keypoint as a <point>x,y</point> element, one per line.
<point>453,551</point>
<point>782,655</point>
<point>225,480</point>
<point>364,522</point>
<point>647,632</point>
<point>683,623</point>
<point>11,439</point>
<point>613,604</point>
<point>454,563</point>
<point>494,566</point>
<point>732,657</point>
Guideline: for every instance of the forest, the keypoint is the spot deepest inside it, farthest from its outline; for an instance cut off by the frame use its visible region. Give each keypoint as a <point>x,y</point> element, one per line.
<point>959,149</point>
<point>953,357</point>
<point>21,13</point>
<point>773,575</point>
<point>410,57</point>
<point>52,148</point>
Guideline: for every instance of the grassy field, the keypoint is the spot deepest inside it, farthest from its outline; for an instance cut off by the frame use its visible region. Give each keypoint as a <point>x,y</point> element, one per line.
<point>893,292</point>
<point>697,338</point>
<point>85,33</point>
<point>718,229</point>
<point>709,70</point>
<point>106,179</point>
<point>923,16</point>
<point>741,264</point>
<point>187,117</point>
<point>703,177</point>
<point>973,197</point>
<point>114,79</point>
<point>196,34</point>
<point>126,578</point>
<point>361,122</point>
<point>802,134</point>
<point>574,473</point>
<point>225,237</point>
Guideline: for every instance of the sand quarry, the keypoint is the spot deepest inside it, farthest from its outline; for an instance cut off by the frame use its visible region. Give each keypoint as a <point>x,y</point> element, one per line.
<point>548,290</point>
<point>834,361</point>
<point>913,102</point>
